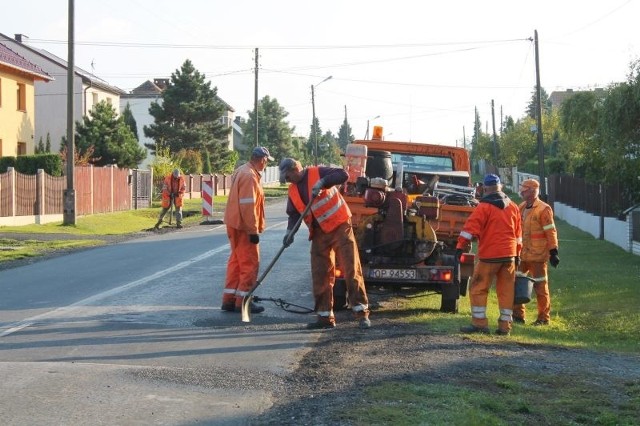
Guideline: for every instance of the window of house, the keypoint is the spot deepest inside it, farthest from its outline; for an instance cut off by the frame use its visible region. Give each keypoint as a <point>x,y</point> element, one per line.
<point>0,93</point>
<point>94,100</point>
<point>22,97</point>
<point>636,225</point>
<point>22,148</point>
<point>109,101</point>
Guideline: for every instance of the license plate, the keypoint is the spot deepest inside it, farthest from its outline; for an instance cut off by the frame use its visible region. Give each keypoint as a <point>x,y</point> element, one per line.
<point>403,274</point>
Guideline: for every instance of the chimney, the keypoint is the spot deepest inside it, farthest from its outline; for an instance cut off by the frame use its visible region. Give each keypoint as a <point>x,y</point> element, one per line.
<point>21,38</point>
<point>162,83</point>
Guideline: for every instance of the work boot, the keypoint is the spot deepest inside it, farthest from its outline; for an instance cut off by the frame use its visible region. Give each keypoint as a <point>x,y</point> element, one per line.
<point>157,225</point>
<point>469,329</point>
<point>518,320</point>
<point>363,319</point>
<point>500,332</point>
<point>541,322</point>
<point>253,308</point>
<point>179,225</point>
<point>322,323</point>
<point>228,306</point>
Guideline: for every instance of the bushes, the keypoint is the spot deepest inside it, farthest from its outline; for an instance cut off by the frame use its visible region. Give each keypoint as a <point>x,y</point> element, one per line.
<point>29,164</point>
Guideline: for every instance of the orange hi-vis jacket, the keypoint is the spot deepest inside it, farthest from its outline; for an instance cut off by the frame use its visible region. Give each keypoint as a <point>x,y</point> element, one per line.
<point>245,205</point>
<point>329,208</point>
<point>497,226</point>
<point>539,233</point>
<point>172,185</point>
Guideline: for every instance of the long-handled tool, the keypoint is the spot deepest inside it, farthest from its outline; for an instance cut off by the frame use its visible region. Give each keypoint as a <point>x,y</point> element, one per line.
<point>246,300</point>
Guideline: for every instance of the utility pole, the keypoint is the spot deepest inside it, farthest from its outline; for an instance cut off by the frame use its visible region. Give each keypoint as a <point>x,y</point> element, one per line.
<point>495,143</point>
<point>464,138</point>
<point>69,198</point>
<point>543,185</point>
<point>255,102</point>
<point>314,125</point>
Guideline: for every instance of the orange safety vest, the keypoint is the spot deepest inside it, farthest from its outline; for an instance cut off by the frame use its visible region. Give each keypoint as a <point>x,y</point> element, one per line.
<point>539,233</point>
<point>329,208</point>
<point>170,186</point>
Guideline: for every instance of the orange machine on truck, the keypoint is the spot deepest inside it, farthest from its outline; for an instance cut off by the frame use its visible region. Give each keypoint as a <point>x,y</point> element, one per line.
<point>409,202</point>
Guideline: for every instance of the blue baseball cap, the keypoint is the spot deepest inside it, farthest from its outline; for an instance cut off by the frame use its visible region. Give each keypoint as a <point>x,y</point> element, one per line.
<point>491,180</point>
<point>261,151</point>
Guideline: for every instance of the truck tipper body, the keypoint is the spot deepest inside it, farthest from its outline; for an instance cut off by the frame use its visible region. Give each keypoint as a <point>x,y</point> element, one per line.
<point>409,204</point>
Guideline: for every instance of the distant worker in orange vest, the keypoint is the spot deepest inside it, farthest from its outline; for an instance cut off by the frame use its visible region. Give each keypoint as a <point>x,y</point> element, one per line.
<point>331,235</point>
<point>173,188</point>
<point>539,244</point>
<point>497,226</point>
<point>245,220</point>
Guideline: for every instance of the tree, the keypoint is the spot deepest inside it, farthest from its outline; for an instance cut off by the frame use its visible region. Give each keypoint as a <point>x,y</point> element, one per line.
<point>533,103</point>
<point>130,121</point>
<point>345,135</point>
<point>190,117</point>
<point>108,135</point>
<point>273,131</point>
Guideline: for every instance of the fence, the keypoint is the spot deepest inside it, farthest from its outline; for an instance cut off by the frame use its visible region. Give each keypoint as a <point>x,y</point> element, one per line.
<point>39,198</point>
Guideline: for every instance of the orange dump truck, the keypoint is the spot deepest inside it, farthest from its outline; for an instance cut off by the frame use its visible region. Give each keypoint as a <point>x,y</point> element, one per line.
<point>409,202</point>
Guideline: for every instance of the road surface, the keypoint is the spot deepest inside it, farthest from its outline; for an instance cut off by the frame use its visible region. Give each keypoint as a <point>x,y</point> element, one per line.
<point>132,333</point>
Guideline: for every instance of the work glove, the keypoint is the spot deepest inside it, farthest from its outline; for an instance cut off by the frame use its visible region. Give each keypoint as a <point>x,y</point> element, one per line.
<point>458,254</point>
<point>554,260</point>
<point>319,186</point>
<point>516,260</point>
<point>254,238</point>
<point>288,239</point>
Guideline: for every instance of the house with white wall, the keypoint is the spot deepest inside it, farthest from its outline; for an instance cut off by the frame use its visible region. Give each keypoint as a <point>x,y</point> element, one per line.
<point>51,98</point>
<point>141,98</point>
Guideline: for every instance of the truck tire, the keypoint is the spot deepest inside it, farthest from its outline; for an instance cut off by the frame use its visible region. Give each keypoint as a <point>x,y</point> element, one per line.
<point>339,295</point>
<point>449,305</point>
<point>450,297</point>
<point>464,285</point>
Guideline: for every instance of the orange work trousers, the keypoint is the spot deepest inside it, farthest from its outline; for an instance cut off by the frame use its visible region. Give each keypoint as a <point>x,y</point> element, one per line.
<point>242,267</point>
<point>325,247</point>
<point>483,275</point>
<point>543,297</point>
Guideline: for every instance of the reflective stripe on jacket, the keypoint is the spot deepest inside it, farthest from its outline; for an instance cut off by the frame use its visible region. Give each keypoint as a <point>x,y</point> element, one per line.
<point>539,233</point>
<point>329,208</point>
<point>245,205</point>
<point>172,185</point>
<point>498,231</point>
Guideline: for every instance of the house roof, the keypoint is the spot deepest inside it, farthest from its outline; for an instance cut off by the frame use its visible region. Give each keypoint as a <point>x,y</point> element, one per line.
<point>11,59</point>
<point>86,76</point>
<point>558,97</point>
<point>148,89</point>
<point>155,88</point>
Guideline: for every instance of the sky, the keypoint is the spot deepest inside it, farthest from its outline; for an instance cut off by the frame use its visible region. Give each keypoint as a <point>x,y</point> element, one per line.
<point>417,68</point>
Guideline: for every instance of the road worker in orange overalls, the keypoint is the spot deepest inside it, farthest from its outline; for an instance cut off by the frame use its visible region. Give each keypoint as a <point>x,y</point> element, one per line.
<point>331,235</point>
<point>173,189</point>
<point>496,224</point>
<point>539,244</point>
<point>245,220</point>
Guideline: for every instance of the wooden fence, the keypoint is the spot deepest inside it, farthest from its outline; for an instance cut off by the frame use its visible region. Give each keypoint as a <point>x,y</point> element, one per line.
<point>98,190</point>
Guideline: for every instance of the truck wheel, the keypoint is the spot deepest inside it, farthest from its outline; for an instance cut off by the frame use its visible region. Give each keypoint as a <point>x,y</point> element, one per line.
<point>339,295</point>
<point>450,297</point>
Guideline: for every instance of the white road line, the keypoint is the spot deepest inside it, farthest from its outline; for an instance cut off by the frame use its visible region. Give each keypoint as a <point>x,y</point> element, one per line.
<point>17,326</point>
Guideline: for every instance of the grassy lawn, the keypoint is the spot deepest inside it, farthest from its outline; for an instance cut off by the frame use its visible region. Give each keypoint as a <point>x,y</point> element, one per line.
<point>595,294</point>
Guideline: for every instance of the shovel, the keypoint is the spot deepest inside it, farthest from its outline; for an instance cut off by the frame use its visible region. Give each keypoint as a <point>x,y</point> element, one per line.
<point>246,300</point>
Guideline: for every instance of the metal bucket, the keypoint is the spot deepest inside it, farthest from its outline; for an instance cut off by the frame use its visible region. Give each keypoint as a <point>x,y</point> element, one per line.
<point>524,287</point>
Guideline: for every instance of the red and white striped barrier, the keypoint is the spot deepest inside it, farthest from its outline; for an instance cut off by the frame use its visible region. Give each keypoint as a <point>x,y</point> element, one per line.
<point>207,198</point>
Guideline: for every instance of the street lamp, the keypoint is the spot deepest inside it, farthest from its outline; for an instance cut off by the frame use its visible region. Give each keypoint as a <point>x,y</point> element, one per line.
<point>366,135</point>
<point>313,108</point>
